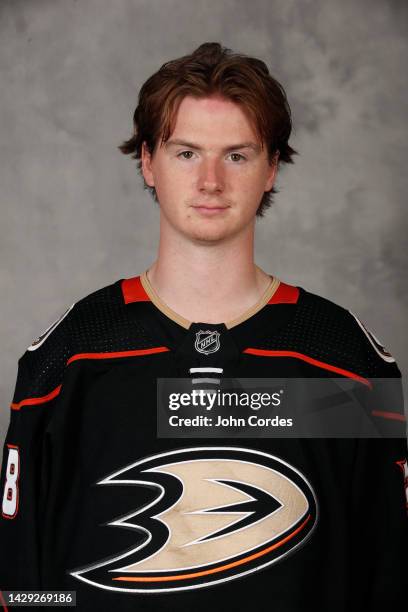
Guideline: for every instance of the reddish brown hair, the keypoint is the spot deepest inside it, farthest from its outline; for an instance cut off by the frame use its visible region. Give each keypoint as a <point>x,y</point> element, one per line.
<point>213,70</point>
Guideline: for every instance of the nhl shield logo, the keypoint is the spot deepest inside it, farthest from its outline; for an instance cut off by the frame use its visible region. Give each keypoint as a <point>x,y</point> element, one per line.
<point>207,341</point>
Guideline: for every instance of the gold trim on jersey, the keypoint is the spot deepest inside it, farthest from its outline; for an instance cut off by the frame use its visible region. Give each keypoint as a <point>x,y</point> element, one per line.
<point>171,314</point>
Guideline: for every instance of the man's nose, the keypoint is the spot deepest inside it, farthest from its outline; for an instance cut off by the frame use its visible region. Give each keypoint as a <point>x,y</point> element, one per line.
<point>211,176</point>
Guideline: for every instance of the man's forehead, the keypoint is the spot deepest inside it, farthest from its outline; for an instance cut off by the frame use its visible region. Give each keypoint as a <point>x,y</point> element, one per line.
<point>212,103</point>
<point>212,123</point>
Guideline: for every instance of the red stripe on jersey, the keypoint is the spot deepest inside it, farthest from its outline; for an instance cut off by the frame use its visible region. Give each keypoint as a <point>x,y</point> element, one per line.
<point>285,294</point>
<point>46,398</point>
<point>134,353</point>
<point>133,290</point>
<point>397,416</point>
<point>3,603</point>
<point>315,362</point>
<point>33,401</point>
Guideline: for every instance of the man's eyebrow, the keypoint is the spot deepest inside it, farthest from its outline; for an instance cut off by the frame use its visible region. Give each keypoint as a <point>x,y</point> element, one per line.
<point>233,147</point>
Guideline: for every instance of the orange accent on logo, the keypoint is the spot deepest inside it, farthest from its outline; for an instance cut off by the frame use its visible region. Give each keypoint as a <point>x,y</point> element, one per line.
<point>397,416</point>
<point>285,294</point>
<point>228,566</point>
<point>133,290</point>
<point>315,362</point>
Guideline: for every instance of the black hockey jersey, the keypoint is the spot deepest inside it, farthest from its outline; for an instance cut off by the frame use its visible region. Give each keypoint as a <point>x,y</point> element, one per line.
<point>94,501</point>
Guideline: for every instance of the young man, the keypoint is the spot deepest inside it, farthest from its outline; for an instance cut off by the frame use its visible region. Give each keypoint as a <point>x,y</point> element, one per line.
<point>96,500</point>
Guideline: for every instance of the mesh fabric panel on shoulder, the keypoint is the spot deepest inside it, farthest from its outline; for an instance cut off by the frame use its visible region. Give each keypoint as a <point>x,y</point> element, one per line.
<point>328,332</point>
<point>98,323</point>
<point>102,322</point>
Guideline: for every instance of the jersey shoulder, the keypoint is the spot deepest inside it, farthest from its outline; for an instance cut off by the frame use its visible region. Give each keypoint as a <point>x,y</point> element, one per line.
<point>331,331</point>
<point>98,323</point>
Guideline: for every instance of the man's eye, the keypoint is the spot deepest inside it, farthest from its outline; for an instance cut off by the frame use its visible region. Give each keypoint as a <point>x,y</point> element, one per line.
<point>237,155</point>
<point>184,154</point>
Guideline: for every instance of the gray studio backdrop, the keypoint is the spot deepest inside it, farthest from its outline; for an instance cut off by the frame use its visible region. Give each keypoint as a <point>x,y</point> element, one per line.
<point>74,215</point>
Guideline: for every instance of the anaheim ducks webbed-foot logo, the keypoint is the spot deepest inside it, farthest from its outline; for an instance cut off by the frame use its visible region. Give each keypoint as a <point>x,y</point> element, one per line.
<point>217,514</point>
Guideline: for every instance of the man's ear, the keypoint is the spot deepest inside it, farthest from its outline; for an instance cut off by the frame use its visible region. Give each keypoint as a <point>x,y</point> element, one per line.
<point>147,166</point>
<point>273,169</point>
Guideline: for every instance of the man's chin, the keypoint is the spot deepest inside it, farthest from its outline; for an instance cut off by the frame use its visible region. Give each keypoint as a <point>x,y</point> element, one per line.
<point>209,236</point>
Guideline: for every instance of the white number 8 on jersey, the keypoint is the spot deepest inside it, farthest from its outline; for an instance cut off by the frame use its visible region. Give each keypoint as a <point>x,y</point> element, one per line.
<point>10,496</point>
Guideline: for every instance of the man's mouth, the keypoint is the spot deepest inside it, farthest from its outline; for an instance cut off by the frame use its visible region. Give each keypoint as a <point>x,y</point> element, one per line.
<point>210,209</point>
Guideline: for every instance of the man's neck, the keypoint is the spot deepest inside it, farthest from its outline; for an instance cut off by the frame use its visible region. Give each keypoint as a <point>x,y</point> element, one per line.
<point>209,283</point>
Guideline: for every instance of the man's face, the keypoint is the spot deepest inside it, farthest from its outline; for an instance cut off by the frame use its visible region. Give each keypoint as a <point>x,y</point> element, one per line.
<point>211,174</point>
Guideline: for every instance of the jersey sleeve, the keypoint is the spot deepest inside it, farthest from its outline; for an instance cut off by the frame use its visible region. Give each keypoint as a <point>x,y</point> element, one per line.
<point>383,400</point>
<point>25,465</point>
<point>379,494</point>
<point>379,523</point>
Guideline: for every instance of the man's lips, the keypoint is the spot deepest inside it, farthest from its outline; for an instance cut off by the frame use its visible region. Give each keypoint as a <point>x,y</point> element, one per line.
<point>210,208</point>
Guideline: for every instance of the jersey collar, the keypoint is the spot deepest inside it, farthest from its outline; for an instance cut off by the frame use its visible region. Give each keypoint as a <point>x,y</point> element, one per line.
<point>139,289</point>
